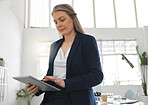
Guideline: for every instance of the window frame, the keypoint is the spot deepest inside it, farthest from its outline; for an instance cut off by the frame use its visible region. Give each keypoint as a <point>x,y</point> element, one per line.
<point>101,56</point>
<point>28,8</point>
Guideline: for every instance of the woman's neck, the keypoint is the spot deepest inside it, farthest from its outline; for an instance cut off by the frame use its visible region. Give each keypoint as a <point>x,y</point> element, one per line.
<point>70,37</point>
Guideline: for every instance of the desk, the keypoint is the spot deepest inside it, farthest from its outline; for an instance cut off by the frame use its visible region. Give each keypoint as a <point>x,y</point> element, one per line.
<point>137,103</point>
<point>117,100</point>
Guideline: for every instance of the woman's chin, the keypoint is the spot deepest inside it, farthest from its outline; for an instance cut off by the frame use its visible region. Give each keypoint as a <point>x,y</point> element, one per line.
<point>63,34</point>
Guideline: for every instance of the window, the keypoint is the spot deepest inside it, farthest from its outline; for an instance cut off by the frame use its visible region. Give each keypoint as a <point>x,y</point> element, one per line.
<point>125,13</point>
<point>39,13</point>
<point>116,71</point>
<point>142,7</point>
<point>104,14</point>
<point>91,13</point>
<point>84,12</point>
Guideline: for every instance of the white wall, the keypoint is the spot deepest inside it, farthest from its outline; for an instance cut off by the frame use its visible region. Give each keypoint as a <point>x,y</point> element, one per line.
<point>115,33</point>
<point>17,7</point>
<point>30,39</point>
<point>11,46</point>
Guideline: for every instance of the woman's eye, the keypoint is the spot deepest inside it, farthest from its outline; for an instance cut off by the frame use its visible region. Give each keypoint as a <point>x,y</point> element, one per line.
<point>62,20</point>
<point>55,22</point>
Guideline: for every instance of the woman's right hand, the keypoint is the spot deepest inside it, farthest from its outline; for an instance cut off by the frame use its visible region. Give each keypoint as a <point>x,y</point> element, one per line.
<point>32,89</point>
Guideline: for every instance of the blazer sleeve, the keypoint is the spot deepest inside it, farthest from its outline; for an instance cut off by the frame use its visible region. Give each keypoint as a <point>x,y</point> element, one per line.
<point>94,76</point>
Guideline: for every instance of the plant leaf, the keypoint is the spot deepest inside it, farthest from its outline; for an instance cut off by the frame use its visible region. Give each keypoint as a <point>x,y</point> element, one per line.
<point>140,57</point>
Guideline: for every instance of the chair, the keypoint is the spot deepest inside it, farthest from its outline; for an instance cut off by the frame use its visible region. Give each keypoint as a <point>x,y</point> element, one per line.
<point>131,94</point>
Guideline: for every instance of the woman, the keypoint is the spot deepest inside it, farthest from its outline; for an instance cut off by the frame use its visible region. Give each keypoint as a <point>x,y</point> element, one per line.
<point>74,62</point>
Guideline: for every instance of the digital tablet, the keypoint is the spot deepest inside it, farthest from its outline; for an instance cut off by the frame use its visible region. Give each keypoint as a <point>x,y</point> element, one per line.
<point>49,86</point>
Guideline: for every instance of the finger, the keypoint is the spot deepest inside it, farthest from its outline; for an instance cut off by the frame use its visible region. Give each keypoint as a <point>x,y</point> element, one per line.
<point>57,81</point>
<point>37,90</point>
<point>60,82</point>
<point>47,78</point>
<point>28,85</point>
<point>31,87</point>
<point>54,79</point>
<point>34,90</point>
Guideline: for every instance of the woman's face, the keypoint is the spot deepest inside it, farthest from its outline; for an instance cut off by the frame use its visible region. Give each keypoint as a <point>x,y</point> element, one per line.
<point>63,22</point>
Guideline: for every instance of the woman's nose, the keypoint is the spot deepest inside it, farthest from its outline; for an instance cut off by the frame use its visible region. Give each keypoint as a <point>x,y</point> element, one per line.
<point>59,24</point>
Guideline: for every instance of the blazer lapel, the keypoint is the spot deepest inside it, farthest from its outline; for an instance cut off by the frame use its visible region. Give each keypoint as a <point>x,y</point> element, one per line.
<point>55,51</point>
<point>73,49</point>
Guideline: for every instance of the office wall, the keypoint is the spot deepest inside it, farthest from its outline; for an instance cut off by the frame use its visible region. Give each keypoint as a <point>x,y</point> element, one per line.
<point>30,39</point>
<point>11,45</point>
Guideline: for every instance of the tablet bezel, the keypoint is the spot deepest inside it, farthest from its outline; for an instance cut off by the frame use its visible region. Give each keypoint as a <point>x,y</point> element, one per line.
<point>42,85</point>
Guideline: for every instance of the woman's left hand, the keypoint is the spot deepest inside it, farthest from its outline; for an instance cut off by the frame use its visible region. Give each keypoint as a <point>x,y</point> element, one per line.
<point>58,81</point>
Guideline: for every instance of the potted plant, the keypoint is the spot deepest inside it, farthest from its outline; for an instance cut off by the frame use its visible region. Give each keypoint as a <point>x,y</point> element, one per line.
<point>2,62</point>
<point>24,94</point>
<point>144,67</point>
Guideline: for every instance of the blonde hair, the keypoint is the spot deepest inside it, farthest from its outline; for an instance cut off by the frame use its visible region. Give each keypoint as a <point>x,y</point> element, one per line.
<point>70,11</point>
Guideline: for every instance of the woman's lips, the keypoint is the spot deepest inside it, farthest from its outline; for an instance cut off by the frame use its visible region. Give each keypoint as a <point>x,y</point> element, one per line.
<point>61,30</point>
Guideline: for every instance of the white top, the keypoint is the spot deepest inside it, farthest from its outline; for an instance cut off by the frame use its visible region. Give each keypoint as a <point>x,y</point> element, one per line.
<point>60,64</point>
